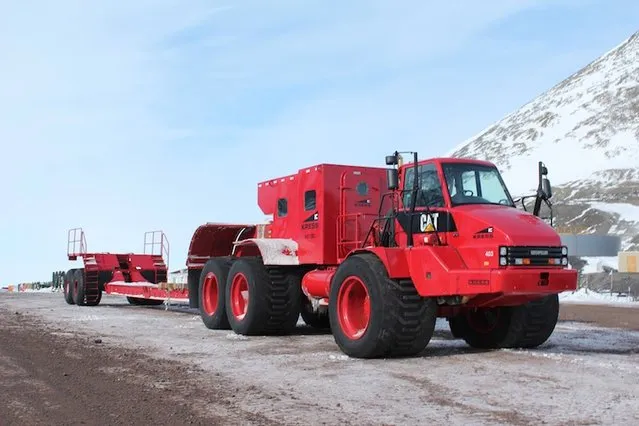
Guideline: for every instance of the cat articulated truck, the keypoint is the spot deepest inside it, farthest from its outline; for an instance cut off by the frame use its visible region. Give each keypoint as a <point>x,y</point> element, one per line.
<point>377,254</point>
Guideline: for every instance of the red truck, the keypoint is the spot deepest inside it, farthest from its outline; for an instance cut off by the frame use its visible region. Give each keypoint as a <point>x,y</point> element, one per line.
<point>376,254</point>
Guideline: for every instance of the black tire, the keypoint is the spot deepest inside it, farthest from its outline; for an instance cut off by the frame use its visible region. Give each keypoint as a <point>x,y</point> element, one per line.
<point>150,276</point>
<point>193,282</point>
<point>273,302</point>
<point>216,269</point>
<point>541,318</point>
<point>524,326</point>
<point>456,327</point>
<point>78,287</point>
<point>95,301</point>
<point>140,301</point>
<point>318,320</point>
<point>401,321</point>
<point>91,286</point>
<point>68,286</point>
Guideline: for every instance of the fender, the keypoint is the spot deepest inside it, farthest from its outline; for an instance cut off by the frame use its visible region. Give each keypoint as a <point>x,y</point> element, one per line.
<point>274,251</point>
<point>395,259</point>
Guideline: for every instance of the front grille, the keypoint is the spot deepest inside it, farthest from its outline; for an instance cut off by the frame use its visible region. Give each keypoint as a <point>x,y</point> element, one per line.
<point>534,256</point>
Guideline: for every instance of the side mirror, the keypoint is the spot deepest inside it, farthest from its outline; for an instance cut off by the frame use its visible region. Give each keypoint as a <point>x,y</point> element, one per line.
<point>543,170</point>
<point>392,176</point>
<point>546,188</point>
<point>391,160</point>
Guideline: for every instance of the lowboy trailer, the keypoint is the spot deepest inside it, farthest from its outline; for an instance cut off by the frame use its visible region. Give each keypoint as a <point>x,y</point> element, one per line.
<point>142,278</point>
<point>376,255</point>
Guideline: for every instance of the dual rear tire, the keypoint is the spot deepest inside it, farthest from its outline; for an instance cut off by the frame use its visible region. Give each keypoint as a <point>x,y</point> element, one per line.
<point>75,291</point>
<point>248,297</point>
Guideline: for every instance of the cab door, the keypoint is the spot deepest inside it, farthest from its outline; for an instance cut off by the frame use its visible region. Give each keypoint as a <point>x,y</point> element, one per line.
<point>431,213</point>
<point>360,197</point>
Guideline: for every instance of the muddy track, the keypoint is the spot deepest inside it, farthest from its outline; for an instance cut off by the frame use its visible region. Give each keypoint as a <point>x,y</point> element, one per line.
<point>58,378</point>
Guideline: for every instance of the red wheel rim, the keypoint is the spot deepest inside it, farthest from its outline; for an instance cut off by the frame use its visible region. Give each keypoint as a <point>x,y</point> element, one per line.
<point>210,293</point>
<point>239,296</point>
<point>353,308</point>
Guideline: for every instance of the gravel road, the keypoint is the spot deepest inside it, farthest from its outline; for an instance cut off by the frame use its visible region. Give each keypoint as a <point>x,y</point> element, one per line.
<point>122,364</point>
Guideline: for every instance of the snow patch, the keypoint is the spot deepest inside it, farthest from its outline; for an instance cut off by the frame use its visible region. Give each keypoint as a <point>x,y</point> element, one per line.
<point>597,264</point>
<point>586,296</point>
<point>627,212</point>
<point>233,336</point>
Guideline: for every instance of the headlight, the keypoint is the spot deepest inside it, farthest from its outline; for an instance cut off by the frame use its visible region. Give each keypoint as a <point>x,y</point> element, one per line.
<point>503,251</point>
<point>564,251</point>
<point>502,261</point>
<point>564,261</point>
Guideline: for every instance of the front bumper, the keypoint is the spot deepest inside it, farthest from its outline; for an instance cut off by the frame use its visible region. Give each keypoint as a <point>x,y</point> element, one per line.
<point>508,281</point>
<point>532,281</point>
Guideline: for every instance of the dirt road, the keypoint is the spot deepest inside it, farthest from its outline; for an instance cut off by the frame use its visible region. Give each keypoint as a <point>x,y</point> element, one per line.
<point>603,315</point>
<point>121,364</point>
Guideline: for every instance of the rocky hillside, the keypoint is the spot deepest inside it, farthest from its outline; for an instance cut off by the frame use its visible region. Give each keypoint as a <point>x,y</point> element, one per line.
<point>586,131</point>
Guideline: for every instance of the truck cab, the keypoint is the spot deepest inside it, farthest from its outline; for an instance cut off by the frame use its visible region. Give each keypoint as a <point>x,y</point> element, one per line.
<point>466,204</point>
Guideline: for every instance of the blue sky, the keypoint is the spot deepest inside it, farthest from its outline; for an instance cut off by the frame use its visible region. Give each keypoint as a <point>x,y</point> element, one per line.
<point>128,116</point>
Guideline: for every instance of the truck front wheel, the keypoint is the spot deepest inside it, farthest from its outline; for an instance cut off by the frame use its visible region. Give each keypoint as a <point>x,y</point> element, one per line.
<point>524,326</point>
<point>374,316</point>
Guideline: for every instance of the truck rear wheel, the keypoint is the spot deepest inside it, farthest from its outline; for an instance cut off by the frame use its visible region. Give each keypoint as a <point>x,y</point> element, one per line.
<point>524,326</point>
<point>68,286</point>
<point>261,300</point>
<point>374,316</point>
<point>211,291</point>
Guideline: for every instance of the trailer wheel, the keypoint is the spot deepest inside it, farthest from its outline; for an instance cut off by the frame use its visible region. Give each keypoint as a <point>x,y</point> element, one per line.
<point>68,286</point>
<point>78,287</point>
<point>140,301</point>
<point>261,300</point>
<point>150,276</point>
<point>374,316</point>
<point>211,291</point>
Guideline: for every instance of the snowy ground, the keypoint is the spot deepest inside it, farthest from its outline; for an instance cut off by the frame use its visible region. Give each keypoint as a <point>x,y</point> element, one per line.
<point>592,297</point>
<point>584,374</point>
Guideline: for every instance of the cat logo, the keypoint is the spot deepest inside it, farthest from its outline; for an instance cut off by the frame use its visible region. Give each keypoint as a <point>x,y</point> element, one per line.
<point>428,222</point>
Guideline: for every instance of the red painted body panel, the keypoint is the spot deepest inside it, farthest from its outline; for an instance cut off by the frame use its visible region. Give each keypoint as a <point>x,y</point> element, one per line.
<point>462,261</point>
<point>215,239</point>
<point>146,291</point>
<point>346,203</point>
<point>317,283</point>
<point>440,271</point>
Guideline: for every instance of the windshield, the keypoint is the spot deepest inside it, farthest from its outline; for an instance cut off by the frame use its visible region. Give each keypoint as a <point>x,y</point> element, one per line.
<point>470,183</point>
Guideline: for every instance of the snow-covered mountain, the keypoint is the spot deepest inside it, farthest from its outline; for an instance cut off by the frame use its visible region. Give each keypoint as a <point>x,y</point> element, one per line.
<point>586,131</point>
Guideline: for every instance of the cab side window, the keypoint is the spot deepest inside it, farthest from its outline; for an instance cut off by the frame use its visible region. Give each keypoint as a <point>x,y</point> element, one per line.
<point>282,207</point>
<point>310,200</point>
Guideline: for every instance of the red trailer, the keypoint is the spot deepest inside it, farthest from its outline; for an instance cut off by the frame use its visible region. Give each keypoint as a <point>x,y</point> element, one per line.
<point>377,254</point>
<point>140,277</point>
